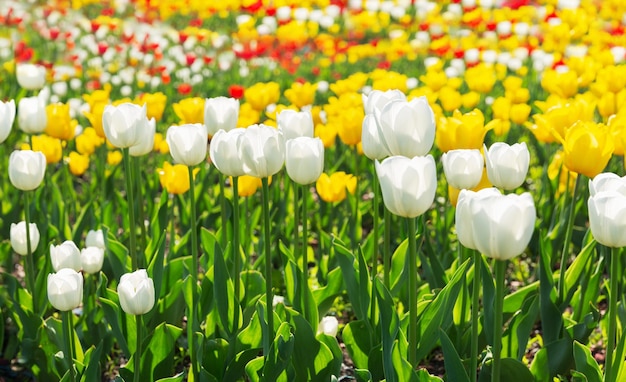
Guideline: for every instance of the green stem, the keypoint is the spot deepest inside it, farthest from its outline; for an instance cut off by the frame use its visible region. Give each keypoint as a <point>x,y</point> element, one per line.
<point>568,237</point>
<point>296,217</point>
<point>376,202</point>
<point>475,309</point>
<point>268,338</point>
<point>236,249</point>
<point>137,357</point>
<point>305,260</point>
<point>610,346</point>
<point>224,235</point>
<point>30,261</point>
<point>387,248</point>
<point>500,266</point>
<point>172,201</point>
<point>192,325</point>
<point>412,292</point>
<point>69,340</point>
<point>355,212</point>
<point>132,247</point>
<point>140,201</point>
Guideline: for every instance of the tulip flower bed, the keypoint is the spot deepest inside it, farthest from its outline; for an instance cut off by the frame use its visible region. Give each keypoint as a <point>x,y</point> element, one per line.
<point>312,191</point>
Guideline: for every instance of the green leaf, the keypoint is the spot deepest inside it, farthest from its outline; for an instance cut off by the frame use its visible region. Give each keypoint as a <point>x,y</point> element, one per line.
<point>325,296</point>
<point>586,364</point>
<point>237,366</point>
<point>177,378</point>
<point>254,369</point>
<point>512,370</point>
<point>555,358</point>
<point>214,356</point>
<point>280,353</point>
<point>92,361</point>
<point>352,279</point>
<point>520,328</point>
<point>224,294</point>
<point>575,270</point>
<point>389,327</point>
<point>455,371</point>
<point>358,340</point>
<point>362,375</point>
<point>312,359</point>
<point>157,358</point>
<point>437,313</point>
<point>113,317</point>
<point>551,315</point>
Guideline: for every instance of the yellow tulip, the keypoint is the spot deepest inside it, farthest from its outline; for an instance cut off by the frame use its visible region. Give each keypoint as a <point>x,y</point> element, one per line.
<point>519,113</point>
<point>88,141</point>
<point>155,103</point>
<point>480,78</point>
<point>462,131</point>
<point>301,94</point>
<point>190,110</point>
<point>564,85</point>
<point>175,179</point>
<point>60,124</point>
<point>327,133</point>
<point>247,115</point>
<point>588,146</point>
<point>51,147</point>
<point>114,157</point>
<point>558,169</point>
<point>261,95</point>
<point>333,188</point>
<point>78,163</point>
<point>98,98</point>
<point>453,193</point>
<point>449,98</point>
<point>95,119</point>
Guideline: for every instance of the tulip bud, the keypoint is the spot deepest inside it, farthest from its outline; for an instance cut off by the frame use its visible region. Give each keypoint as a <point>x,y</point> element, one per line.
<point>18,237</point>
<point>224,151</point>
<point>31,114</point>
<point>502,224</point>
<point>329,326</point>
<point>188,143</point>
<point>124,125</point>
<point>31,77</point>
<point>376,99</point>
<point>95,239</point>
<point>91,259</point>
<point>463,215</point>
<point>371,140</point>
<point>7,116</point>
<point>463,167</point>
<point>607,218</point>
<point>220,113</point>
<point>407,128</point>
<point>507,165</point>
<point>295,124</point>
<point>304,159</point>
<point>607,181</point>
<point>26,169</point>
<point>408,185</point>
<point>65,255</point>
<point>136,292</point>
<point>65,289</point>
<point>146,140</point>
<point>263,151</point>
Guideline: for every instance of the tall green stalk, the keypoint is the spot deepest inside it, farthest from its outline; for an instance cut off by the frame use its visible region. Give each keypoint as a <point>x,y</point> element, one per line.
<point>68,327</point>
<point>224,235</point>
<point>140,201</point>
<point>412,292</point>
<point>387,249</point>
<point>269,298</point>
<point>30,261</point>
<point>376,203</point>
<point>566,243</point>
<point>475,310</point>
<point>236,249</point>
<point>305,261</point>
<point>137,357</point>
<point>296,219</point>
<point>128,174</point>
<point>500,268</point>
<point>192,325</point>
<point>610,346</point>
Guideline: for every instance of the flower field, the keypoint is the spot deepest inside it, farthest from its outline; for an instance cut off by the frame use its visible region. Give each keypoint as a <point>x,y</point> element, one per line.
<point>319,190</point>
